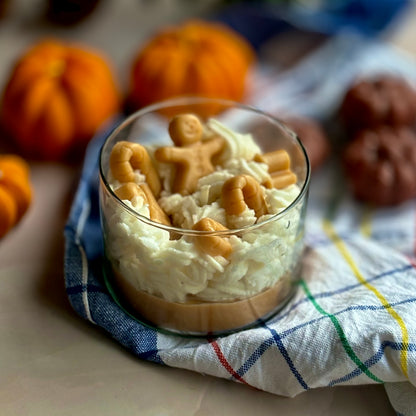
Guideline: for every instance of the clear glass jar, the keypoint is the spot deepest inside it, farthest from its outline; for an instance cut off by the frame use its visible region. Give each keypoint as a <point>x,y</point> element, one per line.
<point>160,274</point>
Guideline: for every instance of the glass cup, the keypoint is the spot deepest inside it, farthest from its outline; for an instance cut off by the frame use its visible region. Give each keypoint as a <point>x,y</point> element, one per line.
<point>167,276</point>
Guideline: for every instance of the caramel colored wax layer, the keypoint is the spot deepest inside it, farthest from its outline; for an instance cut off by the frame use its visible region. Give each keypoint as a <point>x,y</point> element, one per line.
<point>204,317</point>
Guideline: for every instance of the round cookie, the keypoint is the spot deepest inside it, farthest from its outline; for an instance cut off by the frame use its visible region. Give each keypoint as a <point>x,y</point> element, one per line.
<point>380,165</point>
<point>385,99</point>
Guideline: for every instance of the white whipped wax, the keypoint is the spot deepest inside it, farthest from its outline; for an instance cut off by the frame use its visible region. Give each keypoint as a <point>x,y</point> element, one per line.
<point>175,269</point>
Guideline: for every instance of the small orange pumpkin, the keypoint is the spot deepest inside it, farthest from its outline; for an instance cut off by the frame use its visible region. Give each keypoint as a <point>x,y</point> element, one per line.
<point>196,58</point>
<point>56,98</point>
<point>15,191</point>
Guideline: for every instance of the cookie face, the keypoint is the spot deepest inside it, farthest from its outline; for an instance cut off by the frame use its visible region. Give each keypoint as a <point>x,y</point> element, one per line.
<point>383,100</point>
<point>380,165</point>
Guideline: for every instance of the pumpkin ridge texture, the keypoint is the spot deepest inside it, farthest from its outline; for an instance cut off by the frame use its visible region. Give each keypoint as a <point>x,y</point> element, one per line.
<point>15,191</point>
<point>56,97</point>
<point>196,58</point>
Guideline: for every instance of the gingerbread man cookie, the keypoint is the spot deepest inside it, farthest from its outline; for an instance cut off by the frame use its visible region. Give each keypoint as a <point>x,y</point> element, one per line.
<point>191,155</point>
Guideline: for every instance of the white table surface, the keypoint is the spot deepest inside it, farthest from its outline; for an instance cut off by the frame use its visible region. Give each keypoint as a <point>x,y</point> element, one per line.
<point>54,363</point>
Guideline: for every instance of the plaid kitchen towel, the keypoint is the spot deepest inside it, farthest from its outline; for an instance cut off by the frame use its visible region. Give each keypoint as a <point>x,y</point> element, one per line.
<point>352,319</point>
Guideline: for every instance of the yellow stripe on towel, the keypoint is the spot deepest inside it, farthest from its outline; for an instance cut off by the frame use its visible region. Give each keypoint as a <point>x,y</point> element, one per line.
<point>339,243</point>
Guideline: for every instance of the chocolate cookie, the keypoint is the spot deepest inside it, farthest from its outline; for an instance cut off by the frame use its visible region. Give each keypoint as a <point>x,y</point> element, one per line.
<point>380,165</point>
<point>385,99</point>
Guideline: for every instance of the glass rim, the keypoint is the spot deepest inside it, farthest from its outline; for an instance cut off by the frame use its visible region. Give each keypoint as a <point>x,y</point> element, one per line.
<point>186,100</point>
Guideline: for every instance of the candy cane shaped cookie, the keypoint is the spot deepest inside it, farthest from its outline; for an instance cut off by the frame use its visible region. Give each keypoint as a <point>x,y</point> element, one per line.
<point>278,162</point>
<point>125,157</point>
<point>214,245</point>
<point>282,179</point>
<point>130,190</point>
<point>240,192</point>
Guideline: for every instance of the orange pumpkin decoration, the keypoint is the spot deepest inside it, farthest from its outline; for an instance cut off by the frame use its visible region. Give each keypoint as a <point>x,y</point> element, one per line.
<point>196,58</point>
<point>56,98</point>
<point>15,191</point>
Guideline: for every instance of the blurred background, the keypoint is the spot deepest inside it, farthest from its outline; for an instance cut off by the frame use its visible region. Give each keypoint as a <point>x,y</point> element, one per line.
<point>280,31</point>
<point>119,28</point>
